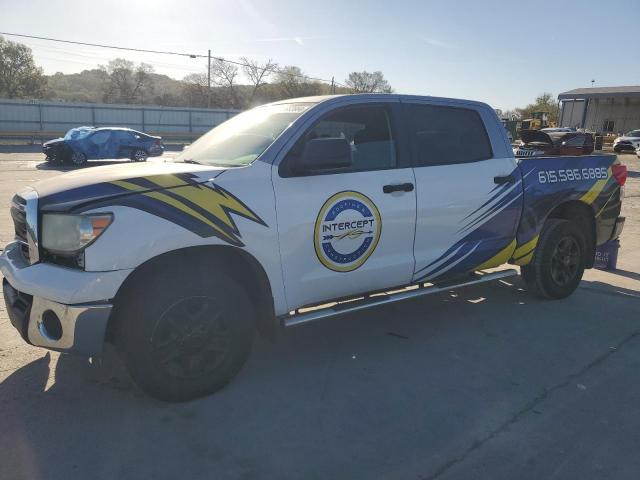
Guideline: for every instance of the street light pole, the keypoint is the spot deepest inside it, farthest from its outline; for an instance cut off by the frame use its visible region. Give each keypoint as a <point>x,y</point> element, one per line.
<point>209,79</point>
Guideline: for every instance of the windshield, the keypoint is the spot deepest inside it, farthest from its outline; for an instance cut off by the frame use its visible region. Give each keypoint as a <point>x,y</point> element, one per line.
<point>633,133</point>
<point>243,138</point>
<point>76,133</point>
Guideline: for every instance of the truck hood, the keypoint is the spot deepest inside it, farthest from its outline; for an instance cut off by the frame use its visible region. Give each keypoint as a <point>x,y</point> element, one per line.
<point>79,188</point>
<point>530,136</point>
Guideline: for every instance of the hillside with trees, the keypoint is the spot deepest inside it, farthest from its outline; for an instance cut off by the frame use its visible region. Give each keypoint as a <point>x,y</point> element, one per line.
<point>239,84</point>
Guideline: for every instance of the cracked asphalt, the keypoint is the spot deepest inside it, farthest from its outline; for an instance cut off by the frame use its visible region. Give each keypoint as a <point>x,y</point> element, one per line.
<point>481,383</point>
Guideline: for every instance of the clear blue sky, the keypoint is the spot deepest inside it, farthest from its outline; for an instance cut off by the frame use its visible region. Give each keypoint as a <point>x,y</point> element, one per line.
<point>501,52</point>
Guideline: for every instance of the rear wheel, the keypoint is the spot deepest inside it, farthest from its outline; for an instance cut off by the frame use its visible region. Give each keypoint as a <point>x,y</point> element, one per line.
<point>184,333</point>
<point>558,262</point>
<point>139,156</point>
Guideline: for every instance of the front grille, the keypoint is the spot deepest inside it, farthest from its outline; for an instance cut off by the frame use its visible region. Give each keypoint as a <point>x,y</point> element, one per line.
<point>18,206</point>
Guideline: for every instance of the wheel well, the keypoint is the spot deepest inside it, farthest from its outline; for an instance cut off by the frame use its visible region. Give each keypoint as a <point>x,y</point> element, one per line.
<point>237,263</point>
<point>582,214</point>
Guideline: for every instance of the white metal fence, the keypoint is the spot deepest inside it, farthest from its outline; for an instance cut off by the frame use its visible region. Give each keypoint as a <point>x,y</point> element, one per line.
<point>27,119</point>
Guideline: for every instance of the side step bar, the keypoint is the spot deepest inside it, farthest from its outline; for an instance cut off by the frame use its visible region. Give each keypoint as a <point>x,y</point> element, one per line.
<point>319,313</point>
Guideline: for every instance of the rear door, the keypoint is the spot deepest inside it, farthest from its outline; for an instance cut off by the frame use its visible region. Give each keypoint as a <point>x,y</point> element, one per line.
<point>349,230</point>
<point>124,143</point>
<point>468,187</point>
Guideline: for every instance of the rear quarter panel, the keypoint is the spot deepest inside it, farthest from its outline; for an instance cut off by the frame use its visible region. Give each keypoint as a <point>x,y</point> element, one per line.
<point>551,181</point>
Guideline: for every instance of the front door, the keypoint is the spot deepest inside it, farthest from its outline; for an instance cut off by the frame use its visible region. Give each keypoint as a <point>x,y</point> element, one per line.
<point>347,230</point>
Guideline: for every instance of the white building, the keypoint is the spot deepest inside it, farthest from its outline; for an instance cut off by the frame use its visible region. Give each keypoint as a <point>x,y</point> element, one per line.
<point>601,109</point>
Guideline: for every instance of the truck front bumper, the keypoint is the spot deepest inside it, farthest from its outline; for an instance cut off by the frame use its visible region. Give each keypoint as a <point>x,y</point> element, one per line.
<point>56,307</point>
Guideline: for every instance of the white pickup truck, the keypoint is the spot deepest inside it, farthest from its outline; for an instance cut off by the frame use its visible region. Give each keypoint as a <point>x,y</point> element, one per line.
<point>284,209</point>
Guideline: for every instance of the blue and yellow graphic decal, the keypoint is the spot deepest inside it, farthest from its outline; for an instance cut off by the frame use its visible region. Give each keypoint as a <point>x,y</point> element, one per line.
<point>205,209</point>
<point>347,231</point>
<point>481,242</point>
<point>541,185</point>
<point>554,180</point>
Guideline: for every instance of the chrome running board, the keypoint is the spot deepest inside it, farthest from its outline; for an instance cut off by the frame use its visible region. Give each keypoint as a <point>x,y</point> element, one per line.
<point>348,306</point>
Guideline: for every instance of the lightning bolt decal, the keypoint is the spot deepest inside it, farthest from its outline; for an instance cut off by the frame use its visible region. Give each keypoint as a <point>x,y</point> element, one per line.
<point>205,209</point>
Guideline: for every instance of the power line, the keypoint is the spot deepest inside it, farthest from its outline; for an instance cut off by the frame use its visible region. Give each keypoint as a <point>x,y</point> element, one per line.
<point>191,55</point>
<point>166,52</point>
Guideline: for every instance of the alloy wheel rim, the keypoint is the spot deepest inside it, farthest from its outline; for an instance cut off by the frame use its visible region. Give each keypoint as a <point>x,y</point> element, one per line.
<point>191,338</point>
<point>565,260</point>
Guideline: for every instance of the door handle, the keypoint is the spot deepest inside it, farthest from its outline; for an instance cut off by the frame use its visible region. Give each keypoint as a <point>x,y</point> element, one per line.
<point>501,180</point>
<point>399,187</point>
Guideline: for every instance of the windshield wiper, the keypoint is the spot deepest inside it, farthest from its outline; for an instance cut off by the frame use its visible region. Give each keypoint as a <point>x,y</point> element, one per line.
<point>189,160</point>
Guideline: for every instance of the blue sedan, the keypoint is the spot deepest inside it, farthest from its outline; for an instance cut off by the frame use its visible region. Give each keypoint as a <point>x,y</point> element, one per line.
<point>89,143</point>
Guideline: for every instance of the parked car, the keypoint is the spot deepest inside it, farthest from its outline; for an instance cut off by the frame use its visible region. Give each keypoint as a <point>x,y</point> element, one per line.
<point>314,202</point>
<point>628,142</point>
<point>89,143</point>
<point>535,143</point>
<point>558,129</point>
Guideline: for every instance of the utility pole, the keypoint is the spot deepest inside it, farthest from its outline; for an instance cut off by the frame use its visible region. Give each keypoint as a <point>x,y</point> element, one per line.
<point>209,79</point>
<point>333,86</point>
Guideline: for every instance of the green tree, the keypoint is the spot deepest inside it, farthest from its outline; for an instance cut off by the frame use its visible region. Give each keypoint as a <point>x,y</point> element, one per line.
<point>127,82</point>
<point>19,76</point>
<point>368,82</point>
<point>545,102</point>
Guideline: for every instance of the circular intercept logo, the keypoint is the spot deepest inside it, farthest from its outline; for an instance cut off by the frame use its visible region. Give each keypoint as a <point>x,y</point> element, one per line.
<point>347,231</point>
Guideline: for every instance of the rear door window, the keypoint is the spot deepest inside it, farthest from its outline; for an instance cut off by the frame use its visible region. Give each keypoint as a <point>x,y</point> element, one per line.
<point>447,135</point>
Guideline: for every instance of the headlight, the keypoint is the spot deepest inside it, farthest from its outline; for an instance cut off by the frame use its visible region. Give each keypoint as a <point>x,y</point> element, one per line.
<point>71,233</point>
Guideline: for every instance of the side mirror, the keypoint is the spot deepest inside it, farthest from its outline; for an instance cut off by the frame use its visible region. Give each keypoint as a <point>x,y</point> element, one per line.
<point>324,154</point>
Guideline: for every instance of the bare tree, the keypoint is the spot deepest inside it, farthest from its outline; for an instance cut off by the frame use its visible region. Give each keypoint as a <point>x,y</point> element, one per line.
<point>367,82</point>
<point>223,75</point>
<point>127,82</point>
<point>293,83</point>
<point>258,73</point>
<point>196,89</point>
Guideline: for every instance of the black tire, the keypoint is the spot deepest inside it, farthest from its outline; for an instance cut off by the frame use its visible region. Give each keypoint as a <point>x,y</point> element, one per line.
<point>139,155</point>
<point>156,322</point>
<point>558,262</point>
<point>77,159</point>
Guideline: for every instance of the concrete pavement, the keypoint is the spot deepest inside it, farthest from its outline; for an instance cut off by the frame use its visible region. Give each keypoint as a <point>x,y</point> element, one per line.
<point>485,382</point>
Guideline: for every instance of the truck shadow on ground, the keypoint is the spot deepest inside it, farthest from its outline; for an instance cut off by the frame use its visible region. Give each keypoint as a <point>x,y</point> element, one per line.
<point>429,372</point>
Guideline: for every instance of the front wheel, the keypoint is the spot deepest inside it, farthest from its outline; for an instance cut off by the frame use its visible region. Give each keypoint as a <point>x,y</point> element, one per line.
<point>558,262</point>
<point>78,159</point>
<point>184,333</point>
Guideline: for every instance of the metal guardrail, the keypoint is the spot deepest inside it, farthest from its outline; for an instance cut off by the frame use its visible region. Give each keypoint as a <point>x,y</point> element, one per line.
<point>43,120</point>
<point>37,136</point>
